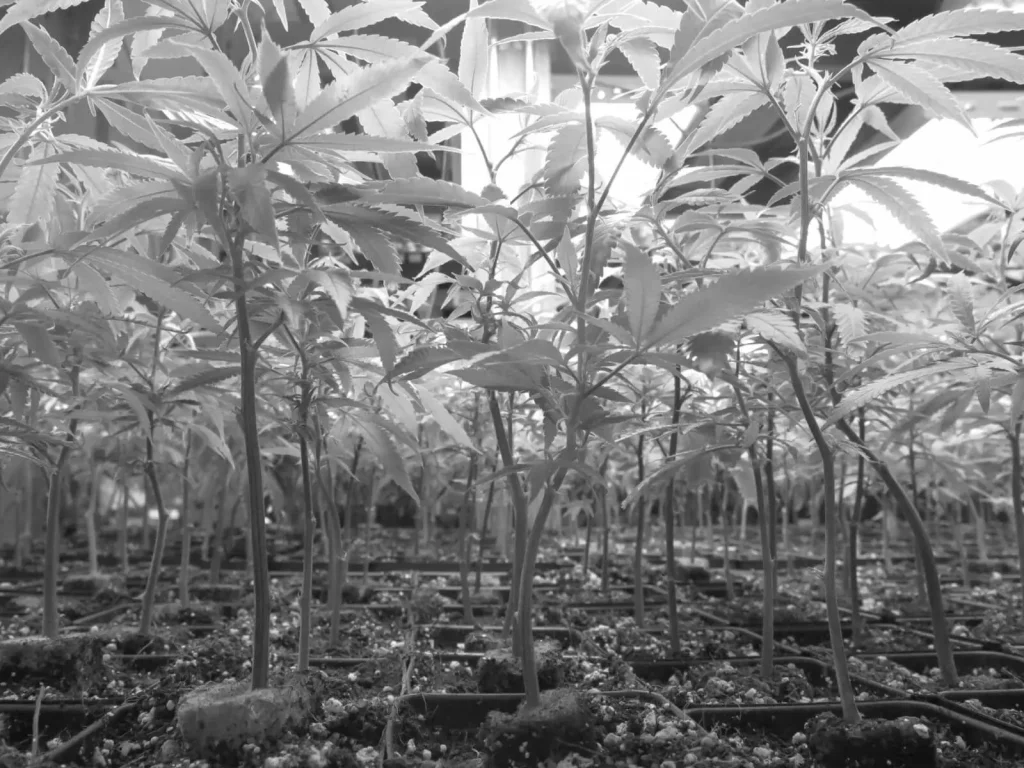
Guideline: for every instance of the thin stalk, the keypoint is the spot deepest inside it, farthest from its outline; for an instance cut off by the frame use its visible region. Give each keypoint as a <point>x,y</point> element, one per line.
<point>333,542</point>
<point>51,561</point>
<point>606,538</point>
<point>912,464</point>
<point>979,529</point>
<point>886,554</point>
<point>669,514</point>
<point>638,550</point>
<point>520,507</point>
<point>488,506</point>
<point>1016,491</point>
<point>153,580</point>
<point>956,517</point>
<point>122,523</point>
<point>220,527</point>
<point>843,523</point>
<point>847,697</point>
<point>769,483</point>
<point>589,540</point>
<point>466,511</point>
<point>254,472</point>
<point>19,509</point>
<point>695,528</point>
<point>376,482</point>
<point>309,527</point>
<point>186,523</point>
<point>90,521</point>
<point>525,617</point>
<point>350,500</point>
<point>858,511</point>
<point>726,515</point>
<point>940,630</point>
<point>767,562</point>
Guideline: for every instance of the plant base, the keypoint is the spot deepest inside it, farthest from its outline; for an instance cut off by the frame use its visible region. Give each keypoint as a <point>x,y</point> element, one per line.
<point>560,725</point>
<point>71,663</point>
<point>501,672</point>
<point>907,742</point>
<point>217,720</point>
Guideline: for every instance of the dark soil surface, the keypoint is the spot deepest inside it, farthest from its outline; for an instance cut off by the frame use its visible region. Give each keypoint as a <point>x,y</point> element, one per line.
<point>385,649</point>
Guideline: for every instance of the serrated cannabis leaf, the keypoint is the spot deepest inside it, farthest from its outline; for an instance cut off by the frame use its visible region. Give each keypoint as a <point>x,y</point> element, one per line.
<point>51,52</point>
<point>346,97</point>
<point>383,337</point>
<point>422,361</point>
<point>922,88</point>
<point>148,166</point>
<point>643,57</point>
<point>776,327</point>
<point>474,54</point>
<point>423,191</point>
<point>643,292</point>
<point>565,163</point>
<point>736,32</point>
<point>903,207</point>
<point>729,297</point>
<point>960,23</point>
<point>150,278</point>
<point>25,10</point>
<point>40,344</point>
<point>102,57</point>
<point>961,303</point>
<point>444,418</point>
<point>317,11</point>
<point>850,321</point>
<point>34,197</point>
<point>857,398</point>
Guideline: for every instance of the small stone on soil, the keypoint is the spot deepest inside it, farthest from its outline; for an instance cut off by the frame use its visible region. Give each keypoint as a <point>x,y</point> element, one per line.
<point>222,718</point>
<point>72,662</point>
<point>902,743</point>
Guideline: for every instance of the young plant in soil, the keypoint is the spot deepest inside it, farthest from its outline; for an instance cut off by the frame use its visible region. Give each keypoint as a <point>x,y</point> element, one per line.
<point>235,190</point>
<point>571,384</point>
<point>302,406</point>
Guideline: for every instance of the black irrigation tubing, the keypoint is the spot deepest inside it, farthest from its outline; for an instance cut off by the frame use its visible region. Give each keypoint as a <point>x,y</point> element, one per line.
<point>66,750</point>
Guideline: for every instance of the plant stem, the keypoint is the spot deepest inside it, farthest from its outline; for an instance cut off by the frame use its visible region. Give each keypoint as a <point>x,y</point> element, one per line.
<point>488,506</point>
<point>520,507</point>
<point>1016,491</point>
<point>606,536</point>
<point>726,515</point>
<point>254,471</point>
<point>638,550</point>
<point>767,562</point>
<point>350,501</point>
<point>309,520</point>
<point>847,697</point>
<point>186,523</point>
<point>530,682</point>
<point>51,561</point>
<point>669,513</point>
<point>90,520</point>
<point>943,649</point>
<point>466,512</point>
<point>153,580</point>
<point>333,542</point>
<point>858,511</point>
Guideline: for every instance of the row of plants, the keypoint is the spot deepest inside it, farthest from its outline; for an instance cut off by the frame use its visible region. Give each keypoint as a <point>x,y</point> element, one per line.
<point>188,302</point>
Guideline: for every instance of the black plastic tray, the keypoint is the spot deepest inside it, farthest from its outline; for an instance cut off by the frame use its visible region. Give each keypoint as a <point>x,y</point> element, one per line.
<point>787,720</point>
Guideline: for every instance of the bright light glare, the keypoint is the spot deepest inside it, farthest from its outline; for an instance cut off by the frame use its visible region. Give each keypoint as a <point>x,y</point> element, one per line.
<point>943,146</point>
